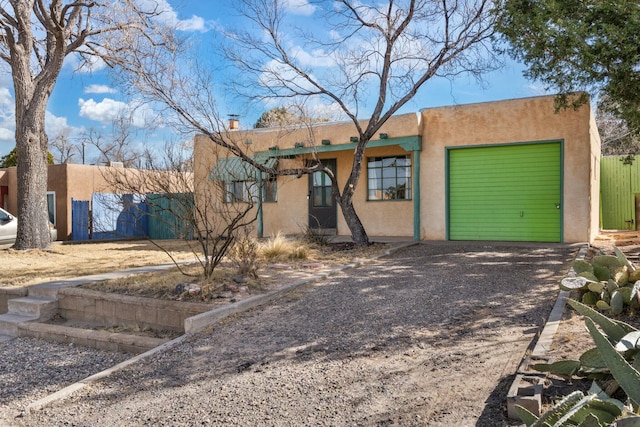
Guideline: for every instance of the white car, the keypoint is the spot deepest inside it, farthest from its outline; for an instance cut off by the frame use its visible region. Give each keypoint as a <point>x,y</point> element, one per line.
<point>9,228</point>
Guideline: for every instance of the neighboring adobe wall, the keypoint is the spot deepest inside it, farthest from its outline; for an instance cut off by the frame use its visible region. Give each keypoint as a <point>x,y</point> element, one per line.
<point>519,120</point>
<point>68,181</point>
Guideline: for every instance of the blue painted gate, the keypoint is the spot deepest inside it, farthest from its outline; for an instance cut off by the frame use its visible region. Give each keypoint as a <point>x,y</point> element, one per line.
<point>80,219</point>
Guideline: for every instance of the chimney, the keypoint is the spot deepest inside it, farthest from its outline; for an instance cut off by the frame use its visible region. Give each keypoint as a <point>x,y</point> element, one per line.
<point>234,123</point>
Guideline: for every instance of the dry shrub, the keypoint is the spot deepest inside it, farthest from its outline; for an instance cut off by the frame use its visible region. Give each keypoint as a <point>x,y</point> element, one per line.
<point>244,254</point>
<point>280,248</point>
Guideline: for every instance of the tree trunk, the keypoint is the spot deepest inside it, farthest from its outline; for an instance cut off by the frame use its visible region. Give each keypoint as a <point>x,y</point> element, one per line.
<point>358,234</point>
<point>32,149</point>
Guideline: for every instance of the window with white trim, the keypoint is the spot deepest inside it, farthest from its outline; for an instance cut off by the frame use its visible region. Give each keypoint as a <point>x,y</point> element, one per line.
<point>51,206</point>
<point>389,178</point>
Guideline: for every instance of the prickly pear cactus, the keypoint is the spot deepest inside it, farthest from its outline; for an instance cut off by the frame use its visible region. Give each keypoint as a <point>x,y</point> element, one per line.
<point>616,303</point>
<point>580,266</point>
<point>610,283</point>
<point>602,273</point>
<point>609,261</point>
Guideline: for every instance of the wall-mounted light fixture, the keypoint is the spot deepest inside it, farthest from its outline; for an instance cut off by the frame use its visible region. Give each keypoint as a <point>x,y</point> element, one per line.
<point>326,142</point>
<point>299,145</point>
<point>384,135</point>
<point>353,139</point>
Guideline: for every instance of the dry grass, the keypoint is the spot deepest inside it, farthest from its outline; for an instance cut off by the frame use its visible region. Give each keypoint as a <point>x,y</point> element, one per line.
<point>21,268</point>
<point>280,248</point>
<point>276,249</point>
<point>66,261</point>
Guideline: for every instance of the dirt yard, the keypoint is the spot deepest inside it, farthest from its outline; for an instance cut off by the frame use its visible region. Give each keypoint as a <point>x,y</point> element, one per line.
<point>73,260</point>
<point>20,268</point>
<point>428,336</point>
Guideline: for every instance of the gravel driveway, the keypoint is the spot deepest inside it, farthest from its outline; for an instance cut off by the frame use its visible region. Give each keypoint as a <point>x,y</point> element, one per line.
<point>429,336</point>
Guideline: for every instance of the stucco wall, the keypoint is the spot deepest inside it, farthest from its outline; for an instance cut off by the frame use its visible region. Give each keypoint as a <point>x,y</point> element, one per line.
<point>289,214</point>
<point>338,133</point>
<point>594,199</point>
<point>511,121</point>
<point>68,181</point>
<point>502,122</point>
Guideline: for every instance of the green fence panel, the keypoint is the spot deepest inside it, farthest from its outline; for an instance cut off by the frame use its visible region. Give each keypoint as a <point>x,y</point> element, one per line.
<point>619,183</point>
<point>169,216</point>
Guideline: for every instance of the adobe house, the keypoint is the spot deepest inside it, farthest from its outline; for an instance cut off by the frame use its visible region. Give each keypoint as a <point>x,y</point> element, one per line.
<point>512,170</point>
<point>66,182</point>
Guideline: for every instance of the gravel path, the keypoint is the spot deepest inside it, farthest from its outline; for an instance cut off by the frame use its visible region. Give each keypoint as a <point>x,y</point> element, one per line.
<point>429,336</point>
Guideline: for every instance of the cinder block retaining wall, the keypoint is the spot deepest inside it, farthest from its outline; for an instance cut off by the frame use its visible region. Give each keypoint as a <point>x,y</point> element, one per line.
<point>114,309</point>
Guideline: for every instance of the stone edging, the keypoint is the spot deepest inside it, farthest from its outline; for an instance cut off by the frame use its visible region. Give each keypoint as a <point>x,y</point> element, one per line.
<point>202,321</point>
<point>527,386</point>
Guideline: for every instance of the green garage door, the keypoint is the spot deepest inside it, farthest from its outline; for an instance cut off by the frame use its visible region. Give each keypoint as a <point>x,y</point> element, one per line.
<point>509,193</point>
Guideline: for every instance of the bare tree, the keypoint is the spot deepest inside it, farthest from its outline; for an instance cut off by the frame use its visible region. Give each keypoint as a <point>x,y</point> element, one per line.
<point>382,53</point>
<point>118,145</point>
<point>35,38</point>
<point>62,148</point>
<point>617,138</point>
<point>389,50</point>
<point>211,224</point>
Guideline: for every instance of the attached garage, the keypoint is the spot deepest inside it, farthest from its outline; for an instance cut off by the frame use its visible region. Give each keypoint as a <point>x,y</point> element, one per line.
<point>510,192</point>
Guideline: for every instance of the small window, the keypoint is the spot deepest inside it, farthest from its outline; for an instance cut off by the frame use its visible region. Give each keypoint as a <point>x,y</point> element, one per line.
<point>389,178</point>
<point>270,189</point>
<point>247,191</point>
<point>51,206</point>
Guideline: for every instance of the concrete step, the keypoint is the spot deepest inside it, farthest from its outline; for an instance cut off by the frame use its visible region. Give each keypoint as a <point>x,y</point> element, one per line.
<point>9,323</point>
<point>100,339</point>
<point>40,308</point>
<point>48,290</point>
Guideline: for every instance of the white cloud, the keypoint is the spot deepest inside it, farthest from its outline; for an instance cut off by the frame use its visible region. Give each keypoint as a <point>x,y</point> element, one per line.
<point>104,111</point>
<point>195,23</point>
<point>84,65</point>
<point>299,7</point>
<point>99,89</point>
<point>108,110</point>
<point>537,89</point>
<point>168,16</point>
<point>317,58</point>
<point>6,100</point>
<point>7,135</point>
<point>58,126</point>
<point>7,116</point>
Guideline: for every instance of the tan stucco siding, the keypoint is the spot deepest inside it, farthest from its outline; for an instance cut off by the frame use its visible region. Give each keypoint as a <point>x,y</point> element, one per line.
<point>289,214</point>
<point>336,133</point>
<point>527,120</point>
<point>594,178</point>
<point>380,218</point>
<point>505,122</point>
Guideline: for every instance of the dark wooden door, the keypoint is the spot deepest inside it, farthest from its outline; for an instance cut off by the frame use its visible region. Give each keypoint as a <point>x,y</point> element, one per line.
<point>322,204</point>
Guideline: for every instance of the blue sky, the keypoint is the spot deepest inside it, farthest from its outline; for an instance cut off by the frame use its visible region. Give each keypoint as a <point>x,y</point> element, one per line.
<point>83,100</point>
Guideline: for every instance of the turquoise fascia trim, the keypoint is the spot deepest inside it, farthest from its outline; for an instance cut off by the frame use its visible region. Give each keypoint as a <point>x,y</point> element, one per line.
<point>260,216</point>
<point>416,195</point>
<point>408,143</point>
